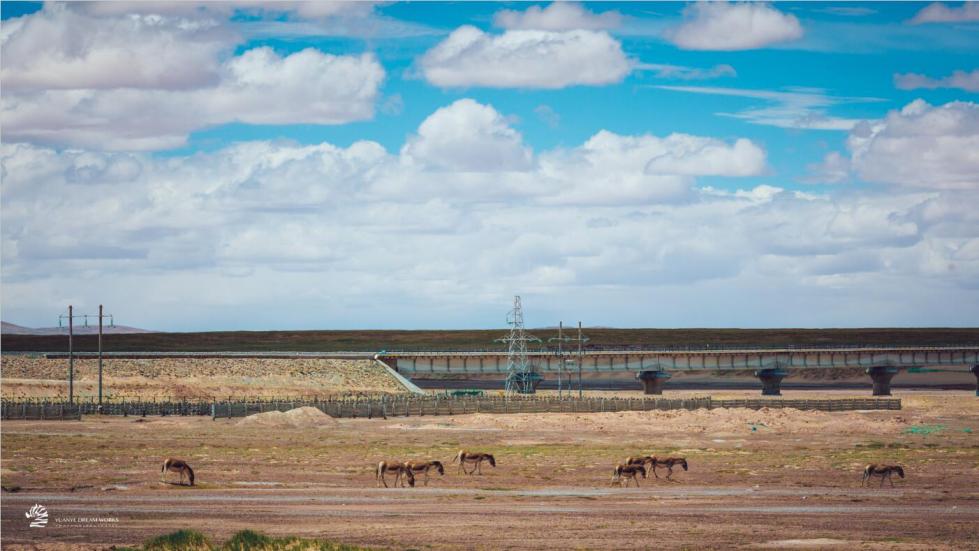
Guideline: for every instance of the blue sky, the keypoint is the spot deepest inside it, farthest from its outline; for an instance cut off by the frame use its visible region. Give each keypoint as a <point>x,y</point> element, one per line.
<point>628,164</point>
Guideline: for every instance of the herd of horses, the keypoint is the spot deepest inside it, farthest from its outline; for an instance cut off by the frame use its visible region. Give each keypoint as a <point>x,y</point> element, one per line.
<point>632,469</point>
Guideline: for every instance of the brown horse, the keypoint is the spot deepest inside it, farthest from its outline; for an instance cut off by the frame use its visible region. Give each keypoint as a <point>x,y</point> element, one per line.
<point>668,462</point>
<point>477,459</point>
<point>883,471</point>
<point>425,466</point>
<point>177,466</point>
<point>394,467</point>
<point>628,471</point>
<point>641,460</point>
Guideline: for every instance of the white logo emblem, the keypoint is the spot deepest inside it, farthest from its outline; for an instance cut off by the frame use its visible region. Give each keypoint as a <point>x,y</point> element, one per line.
<point>38,516</point>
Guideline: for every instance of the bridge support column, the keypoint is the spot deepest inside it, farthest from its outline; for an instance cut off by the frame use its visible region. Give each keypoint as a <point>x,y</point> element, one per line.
<point>653,381</point>
<point>771,381</point>
<point>975,371</point>
<point>882,375</point>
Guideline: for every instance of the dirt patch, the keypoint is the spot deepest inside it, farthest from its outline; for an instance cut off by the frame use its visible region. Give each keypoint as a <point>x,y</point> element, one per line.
<point>300,418</point>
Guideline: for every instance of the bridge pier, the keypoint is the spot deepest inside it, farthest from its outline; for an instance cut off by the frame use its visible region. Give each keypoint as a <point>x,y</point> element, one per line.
<point>653,381</point>
<point>975,371</point>
<point>882,375</point>
<point>771,381</point>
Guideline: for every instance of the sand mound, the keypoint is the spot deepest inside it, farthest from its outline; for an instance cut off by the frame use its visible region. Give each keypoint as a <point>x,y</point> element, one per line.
<point>304,418</point>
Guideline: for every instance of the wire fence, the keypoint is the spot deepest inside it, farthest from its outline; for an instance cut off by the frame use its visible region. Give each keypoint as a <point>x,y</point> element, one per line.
<point>406,406</point>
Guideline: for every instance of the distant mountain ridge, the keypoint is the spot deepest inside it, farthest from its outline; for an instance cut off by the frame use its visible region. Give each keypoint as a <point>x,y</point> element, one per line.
<point>7,328</point>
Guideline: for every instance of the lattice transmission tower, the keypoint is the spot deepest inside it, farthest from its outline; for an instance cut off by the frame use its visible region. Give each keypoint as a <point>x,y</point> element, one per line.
<point>521,376</point>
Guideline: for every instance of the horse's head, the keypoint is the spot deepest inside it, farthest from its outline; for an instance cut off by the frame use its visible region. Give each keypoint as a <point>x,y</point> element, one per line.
<point>491,459</point>
<point>684,464</point>
<point>642,471</point>
<point>411,478</point>
<point>900,471</point>
<point>439,466</point>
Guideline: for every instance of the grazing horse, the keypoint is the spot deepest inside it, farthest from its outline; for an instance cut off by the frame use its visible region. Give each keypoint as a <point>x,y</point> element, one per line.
<point>394,467</point>
<point>641,460</point>
<point>883,471</point>
<point>629,471</point>
<point>177,466</point>
<point>424,467</point>
<point>464,457</point>
<point>669,462</point>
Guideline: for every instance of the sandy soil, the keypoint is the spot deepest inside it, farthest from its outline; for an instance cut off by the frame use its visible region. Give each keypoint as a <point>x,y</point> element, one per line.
<point>757,479</point>
<point>192,378</point>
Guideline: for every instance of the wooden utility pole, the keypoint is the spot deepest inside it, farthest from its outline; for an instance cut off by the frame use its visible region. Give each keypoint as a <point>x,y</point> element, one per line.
<point>71,358</point>
<point>580,392</point>
<point>100,354</point>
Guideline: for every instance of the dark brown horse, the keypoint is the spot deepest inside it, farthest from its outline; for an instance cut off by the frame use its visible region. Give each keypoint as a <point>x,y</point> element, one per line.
<point>641,460</point>
<point>177,466</point>
<point>477,459</point>
<point>883,471</point>
<point>628,471</point>
<point>668,462</point>
<point>398,467</point>
<point>425,466</point>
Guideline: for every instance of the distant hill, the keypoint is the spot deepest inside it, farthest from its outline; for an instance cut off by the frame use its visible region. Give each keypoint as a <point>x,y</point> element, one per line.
<point>8,328</point>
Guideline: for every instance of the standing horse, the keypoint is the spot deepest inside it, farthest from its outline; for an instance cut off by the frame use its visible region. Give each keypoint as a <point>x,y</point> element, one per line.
<point>669,462</point>
<point>629,471</point>
<point>177,466</point>
<point>424,467</point>
<point>477,459</point>
<point>394,467</point>
<point>883,471</point>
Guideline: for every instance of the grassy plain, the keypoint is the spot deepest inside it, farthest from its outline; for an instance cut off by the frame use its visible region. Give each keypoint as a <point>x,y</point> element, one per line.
<point>757,479</point>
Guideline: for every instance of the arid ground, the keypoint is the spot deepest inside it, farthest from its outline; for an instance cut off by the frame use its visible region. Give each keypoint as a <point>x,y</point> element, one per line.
<point>769,478</point>
<point>33,376</point>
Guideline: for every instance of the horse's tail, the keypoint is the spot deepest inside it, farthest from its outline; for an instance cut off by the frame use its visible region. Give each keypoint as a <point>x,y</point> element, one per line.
<point>379,471</point>
<point>190,473</point>
<point>164,469</point>
<point>458,456</point>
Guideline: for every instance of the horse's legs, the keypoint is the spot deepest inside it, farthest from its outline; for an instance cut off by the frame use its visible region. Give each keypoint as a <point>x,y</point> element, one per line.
<point>384,480</point>
<point>889,479</point>
<point>479,467</point>
<point>669,473</point>
<point>881,481</point>
<point>654,470</point>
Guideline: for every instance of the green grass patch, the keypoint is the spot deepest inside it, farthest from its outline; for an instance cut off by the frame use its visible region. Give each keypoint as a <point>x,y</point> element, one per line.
<point>924,429</point>
<point>246,540</point>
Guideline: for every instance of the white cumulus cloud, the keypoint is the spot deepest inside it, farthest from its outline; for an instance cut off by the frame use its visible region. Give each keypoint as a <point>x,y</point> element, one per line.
<point>938,12</point>
<point>734,26</point>
<point>468,136</point>
<point>920,146</point>
<point>525,59</point>
<point>62,48</point>
<point>258,87</point>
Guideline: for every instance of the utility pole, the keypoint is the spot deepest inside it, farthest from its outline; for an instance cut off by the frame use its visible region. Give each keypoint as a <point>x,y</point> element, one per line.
<point>561,339</point>
<point>71,358</point>
<point>100,354</point>
<point>580,391</point>
<point>71,351</point>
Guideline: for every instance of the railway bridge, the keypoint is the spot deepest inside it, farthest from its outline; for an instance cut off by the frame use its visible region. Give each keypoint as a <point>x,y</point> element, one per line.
<point>653,367</point>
